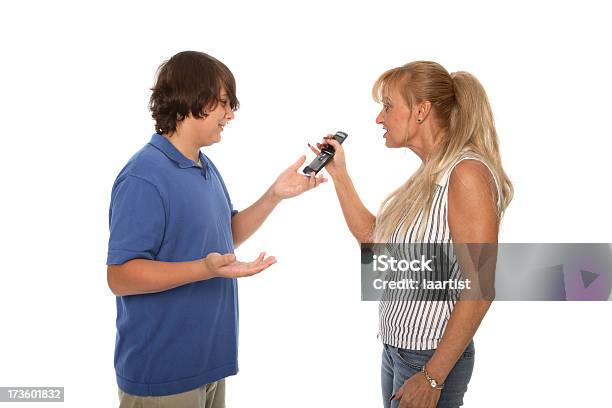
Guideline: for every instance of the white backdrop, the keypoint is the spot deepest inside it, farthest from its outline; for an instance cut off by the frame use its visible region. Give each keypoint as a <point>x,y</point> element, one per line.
<point>75,81</point>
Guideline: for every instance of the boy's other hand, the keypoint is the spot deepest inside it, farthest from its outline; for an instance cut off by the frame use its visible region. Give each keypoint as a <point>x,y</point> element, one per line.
<point>226,266</point>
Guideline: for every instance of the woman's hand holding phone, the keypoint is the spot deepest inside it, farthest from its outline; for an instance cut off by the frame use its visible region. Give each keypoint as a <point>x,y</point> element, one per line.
<point>338,164</point>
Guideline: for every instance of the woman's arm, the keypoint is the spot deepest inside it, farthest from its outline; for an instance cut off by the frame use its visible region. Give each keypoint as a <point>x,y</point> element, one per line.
<point>472,218</point>
<point>358,218</point>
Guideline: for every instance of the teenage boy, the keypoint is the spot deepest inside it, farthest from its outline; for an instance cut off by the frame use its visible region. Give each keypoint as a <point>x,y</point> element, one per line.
<point>173,231</point>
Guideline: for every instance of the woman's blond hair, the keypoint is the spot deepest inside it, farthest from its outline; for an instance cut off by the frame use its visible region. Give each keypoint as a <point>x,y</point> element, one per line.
<point>460,106</point>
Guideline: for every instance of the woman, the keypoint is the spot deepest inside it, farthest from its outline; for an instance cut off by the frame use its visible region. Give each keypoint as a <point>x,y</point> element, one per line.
<point>457,195</point>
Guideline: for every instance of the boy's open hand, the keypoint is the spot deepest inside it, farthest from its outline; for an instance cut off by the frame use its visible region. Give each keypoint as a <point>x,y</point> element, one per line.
<point>291,183</point>
<point>226,266</point>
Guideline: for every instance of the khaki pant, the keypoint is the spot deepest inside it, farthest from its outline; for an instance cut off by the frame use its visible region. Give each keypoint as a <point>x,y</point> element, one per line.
<point>207,396</point>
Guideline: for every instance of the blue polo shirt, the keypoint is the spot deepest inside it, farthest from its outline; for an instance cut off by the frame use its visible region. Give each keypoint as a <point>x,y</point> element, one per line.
<point>165,208</point>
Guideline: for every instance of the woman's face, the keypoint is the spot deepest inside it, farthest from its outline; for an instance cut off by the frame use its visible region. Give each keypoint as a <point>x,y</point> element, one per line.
<point>395,117</point>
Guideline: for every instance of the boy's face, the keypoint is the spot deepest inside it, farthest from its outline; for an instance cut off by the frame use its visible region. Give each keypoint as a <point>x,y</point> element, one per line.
<point>208,129</point>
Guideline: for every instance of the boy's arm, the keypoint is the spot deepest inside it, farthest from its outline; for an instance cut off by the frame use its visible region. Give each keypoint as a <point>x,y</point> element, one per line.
<point>289,184</point>
<point>246,222</point>
<point>141,276</point>
<point>137,227</point>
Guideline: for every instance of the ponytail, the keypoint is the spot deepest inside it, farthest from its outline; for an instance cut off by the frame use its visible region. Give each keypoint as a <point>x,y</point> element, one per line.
<point>471,124</point>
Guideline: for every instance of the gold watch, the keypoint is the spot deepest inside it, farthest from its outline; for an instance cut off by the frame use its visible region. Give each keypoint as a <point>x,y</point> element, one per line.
<point>434,384</point>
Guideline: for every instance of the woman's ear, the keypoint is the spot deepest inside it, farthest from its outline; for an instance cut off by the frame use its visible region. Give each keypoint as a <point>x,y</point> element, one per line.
<point>422,111</point>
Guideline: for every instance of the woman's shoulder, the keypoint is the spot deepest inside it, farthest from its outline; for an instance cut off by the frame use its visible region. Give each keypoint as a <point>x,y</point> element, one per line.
<point>471,174</point>
<point>468,161</point>
<point>473,204</point>
<point>473,183</point>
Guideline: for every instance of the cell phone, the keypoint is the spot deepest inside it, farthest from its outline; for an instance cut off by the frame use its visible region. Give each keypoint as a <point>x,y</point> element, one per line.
<point>327,153</point>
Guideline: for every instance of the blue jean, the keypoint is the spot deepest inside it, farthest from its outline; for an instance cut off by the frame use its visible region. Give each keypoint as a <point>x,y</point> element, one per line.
<point>400,364</point>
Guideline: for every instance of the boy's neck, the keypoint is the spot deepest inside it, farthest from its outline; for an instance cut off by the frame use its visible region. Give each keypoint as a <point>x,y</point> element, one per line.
<point>184,145</point>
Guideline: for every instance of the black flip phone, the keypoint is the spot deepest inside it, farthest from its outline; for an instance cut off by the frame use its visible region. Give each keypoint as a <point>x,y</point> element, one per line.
<point>327,153</point>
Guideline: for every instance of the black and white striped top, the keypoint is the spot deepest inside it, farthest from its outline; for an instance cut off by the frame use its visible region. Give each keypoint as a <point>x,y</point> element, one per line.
<point>414,321</point>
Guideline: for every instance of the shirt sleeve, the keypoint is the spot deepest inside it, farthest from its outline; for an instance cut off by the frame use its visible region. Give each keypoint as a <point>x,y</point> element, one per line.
<point>137,220</point>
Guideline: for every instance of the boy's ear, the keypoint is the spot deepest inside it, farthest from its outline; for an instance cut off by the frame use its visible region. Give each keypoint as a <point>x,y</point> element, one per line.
<point>207,109</point>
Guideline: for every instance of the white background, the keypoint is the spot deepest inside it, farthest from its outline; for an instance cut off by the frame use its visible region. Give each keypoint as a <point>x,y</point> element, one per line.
<point>75,81</point>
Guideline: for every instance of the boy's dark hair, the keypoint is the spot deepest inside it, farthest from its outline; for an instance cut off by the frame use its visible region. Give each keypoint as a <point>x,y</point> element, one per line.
<point>186,84</point>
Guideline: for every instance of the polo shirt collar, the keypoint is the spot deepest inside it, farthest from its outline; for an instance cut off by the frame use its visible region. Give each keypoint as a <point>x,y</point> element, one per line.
<point>163,145</point>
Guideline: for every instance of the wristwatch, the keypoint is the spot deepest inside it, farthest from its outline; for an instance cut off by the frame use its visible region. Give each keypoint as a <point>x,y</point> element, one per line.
<point>434,384</point>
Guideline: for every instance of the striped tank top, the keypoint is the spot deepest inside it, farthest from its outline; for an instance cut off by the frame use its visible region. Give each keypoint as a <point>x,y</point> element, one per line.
<point>412,322</point>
